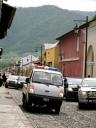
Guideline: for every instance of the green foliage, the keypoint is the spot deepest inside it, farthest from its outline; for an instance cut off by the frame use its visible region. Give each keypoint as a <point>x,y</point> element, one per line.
<point>94,17</point>
<point>34,26</point>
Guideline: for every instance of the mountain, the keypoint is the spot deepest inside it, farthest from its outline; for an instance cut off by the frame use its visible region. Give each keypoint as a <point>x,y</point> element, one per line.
<point>34,26</point>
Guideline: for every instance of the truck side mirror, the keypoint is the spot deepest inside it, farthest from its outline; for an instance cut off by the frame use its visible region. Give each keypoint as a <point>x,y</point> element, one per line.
<point>27,80</point>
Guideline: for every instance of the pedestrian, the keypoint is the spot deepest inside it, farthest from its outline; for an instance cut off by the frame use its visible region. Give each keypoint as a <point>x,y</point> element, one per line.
<point>89,76</point>
<point>1,80</point>
<point>65,86</point>
<point>4,79</point>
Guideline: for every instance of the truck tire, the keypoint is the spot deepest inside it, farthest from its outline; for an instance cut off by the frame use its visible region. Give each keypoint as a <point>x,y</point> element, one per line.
<point>80,105</point>
<point>6,86</point>
<point>57,110</point>
<point>24,101</point>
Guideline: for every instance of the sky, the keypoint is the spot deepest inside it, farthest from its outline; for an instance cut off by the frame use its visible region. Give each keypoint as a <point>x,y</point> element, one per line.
<point>82,5</point>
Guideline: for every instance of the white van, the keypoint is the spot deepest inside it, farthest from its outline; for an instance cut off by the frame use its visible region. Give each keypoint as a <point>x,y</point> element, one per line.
<point>44,88</point>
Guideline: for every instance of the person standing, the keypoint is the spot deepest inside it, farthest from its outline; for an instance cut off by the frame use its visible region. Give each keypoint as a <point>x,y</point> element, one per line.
<point>1,80</point>
<point>65,86</point>
<point>4,79</point>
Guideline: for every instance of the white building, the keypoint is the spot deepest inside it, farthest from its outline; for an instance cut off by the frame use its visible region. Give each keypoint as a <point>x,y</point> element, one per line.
<point>28,60</point>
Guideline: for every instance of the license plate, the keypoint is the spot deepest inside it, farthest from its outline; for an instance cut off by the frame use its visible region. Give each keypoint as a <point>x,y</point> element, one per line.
<point>94,94</point>
<point>46,99</point>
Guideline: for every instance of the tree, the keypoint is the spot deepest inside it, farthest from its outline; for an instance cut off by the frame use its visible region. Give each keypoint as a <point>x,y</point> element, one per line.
<point>94,17</point>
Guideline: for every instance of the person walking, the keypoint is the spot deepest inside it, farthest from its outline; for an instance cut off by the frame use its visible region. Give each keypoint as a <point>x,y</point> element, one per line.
<point>4,79</point>
<point>1,80</point>
<point>65,86</point>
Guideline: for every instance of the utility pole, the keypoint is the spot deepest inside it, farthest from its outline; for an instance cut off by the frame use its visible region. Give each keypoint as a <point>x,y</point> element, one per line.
<point>85,71</point>
<point>41,54</point>
<point>86,41</point>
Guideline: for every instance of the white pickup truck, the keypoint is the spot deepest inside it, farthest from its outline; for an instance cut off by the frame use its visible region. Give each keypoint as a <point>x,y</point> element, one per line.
<point>45,87</point>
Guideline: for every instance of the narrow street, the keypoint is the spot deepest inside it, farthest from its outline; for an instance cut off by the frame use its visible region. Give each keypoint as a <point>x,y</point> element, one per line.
<point>70,116</point>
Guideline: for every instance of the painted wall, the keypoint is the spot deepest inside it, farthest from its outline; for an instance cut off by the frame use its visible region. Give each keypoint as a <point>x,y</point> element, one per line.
<point>52,57</point>
<point>91,54</point>
<point>72,50</point>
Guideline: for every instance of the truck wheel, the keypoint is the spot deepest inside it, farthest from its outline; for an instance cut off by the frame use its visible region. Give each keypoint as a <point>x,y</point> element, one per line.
<point>26,105</point>
<point>24,101</point>
<point>6,86</point>
<point>67,98</point>
<point>57,110</point>
<point>80,105</point>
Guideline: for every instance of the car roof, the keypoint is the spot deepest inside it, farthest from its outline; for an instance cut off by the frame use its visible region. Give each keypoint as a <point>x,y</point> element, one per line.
<point>91,78</point>
<point>49,71</point>
<point>13,76</point>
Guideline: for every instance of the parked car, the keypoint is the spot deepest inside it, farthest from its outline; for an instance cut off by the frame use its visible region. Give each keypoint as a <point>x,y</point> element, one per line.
<point>12,81</point>
<point>22,80</point>
<point>1,80</point>
<point>87,92</point>
<point>71,90</point>
<point>44,88</point>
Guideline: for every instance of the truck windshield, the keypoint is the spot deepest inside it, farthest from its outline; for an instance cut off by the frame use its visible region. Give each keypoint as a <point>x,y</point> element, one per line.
<point>89,83</point>
<point>47,78</point>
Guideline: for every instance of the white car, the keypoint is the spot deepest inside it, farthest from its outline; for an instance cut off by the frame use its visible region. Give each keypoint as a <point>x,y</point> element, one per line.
<point>22,80</point>
<point>87,92</point>
<point>12,81</point>
<point>44,88</point>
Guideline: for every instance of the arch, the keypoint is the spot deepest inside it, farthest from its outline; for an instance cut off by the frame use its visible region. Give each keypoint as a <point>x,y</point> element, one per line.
<point>90,61</point>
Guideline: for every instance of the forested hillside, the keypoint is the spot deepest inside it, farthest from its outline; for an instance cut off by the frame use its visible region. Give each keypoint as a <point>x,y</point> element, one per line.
<point>34,26</point>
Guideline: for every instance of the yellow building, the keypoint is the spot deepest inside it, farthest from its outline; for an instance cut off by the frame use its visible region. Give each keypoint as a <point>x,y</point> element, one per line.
<point>51,55</point>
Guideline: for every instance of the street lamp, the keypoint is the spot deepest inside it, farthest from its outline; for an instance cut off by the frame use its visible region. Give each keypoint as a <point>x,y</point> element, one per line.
<point>85,73</point>
<point>41,54</point>
<point>86,41</point>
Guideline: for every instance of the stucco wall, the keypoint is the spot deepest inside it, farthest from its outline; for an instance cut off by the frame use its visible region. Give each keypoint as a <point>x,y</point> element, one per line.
<point>52,55</point>
<point>72,63</point>
<point>92,42</point>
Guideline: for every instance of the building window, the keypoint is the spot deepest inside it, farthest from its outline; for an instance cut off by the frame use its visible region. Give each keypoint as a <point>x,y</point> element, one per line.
<point>50,64</point>
<point>77,44</point>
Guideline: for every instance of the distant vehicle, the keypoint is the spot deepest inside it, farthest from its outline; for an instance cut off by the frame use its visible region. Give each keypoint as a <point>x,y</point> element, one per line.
<point>13,81</point>
<point>87,92</point>
<point>71,91</point>
<point>1,80</point>
<point>44,88</point>
<point>22,80</point>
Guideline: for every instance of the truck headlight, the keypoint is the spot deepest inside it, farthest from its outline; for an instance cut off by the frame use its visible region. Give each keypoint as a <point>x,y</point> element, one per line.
<point>31,89</point>
<point>61,94</point>
<point>82,93</point>
<point>70,89</point>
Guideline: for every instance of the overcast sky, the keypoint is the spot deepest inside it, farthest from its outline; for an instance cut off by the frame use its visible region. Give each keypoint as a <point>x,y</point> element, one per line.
<point>83,5</point>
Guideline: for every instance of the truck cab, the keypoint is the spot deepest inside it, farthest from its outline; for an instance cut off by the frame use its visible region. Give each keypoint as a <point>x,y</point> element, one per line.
<point>44,87</point>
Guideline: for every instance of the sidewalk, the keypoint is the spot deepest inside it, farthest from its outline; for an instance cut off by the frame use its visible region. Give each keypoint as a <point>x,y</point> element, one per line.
<point>11,116</point>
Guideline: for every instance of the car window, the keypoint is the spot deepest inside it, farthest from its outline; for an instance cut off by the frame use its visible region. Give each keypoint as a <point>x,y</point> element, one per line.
<point>74,81</point>
<point>22,78</point>
<point>47,78</point>
<point>13,77</point>
<point>89,83</point>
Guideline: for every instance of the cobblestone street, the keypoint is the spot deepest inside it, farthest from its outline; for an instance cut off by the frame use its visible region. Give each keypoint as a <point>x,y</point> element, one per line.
<point>70,116</point>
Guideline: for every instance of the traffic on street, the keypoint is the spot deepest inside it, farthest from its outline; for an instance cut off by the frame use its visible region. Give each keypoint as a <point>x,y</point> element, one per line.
<point>70,115</point>
<point>47,64</point>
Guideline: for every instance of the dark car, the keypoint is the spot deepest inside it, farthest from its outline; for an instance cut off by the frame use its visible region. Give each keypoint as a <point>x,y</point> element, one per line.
<point>22,80</point>
<point>71,90</point>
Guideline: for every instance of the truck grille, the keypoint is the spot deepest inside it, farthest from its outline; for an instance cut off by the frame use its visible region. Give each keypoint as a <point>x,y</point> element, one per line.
<point>91,94</point>
<point>75,89</point>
